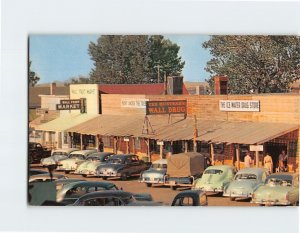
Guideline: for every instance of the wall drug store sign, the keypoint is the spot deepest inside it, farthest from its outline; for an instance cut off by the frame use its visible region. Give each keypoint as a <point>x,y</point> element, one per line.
<point>239,105</point>
<point>166,107</point>
<point>72,104</point>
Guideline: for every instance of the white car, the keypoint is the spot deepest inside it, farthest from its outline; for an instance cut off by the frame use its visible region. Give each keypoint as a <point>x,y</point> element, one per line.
<point>75,158</point>
<point>56,156</point>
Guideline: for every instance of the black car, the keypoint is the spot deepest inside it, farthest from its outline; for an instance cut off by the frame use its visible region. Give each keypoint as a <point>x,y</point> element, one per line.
<point>36,152</point>
<point>122,166</point>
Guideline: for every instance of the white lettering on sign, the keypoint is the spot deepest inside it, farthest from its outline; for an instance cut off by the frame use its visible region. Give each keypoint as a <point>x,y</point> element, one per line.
<point>239,105</point>
<point>256,148</point>
<point>133,103</point>
<point>83,91</point>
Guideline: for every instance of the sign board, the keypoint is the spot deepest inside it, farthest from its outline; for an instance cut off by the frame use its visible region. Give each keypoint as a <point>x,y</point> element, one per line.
<point>72,104</point>
<point>126,139</point>
<point>41,111</point>
<point>256,148</point>
<point>133,103</point>
<point>239,105</point>
<point>160,143</point>
<point>166,107</point>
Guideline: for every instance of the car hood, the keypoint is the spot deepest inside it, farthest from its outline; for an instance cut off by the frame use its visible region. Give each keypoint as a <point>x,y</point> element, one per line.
<point>111,166</point>
<point>242,184</point>
<point>48,160</point>
<point>88,165</point>
<point>155,172</point>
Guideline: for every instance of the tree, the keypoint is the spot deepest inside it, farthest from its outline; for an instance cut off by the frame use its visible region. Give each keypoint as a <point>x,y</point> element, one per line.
<point>32,78</point>
<point>78,80</point>
<point>133,59</point>
<point>260,64</point>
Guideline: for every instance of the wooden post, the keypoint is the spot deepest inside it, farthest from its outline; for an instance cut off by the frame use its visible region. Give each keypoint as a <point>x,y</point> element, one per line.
<point>237,151</point>
<point>257,158</point>
<point>81,142</point>
<point>97,142</point>
<point>148,149</point>
<point>115,145</point>
<point>212,153</point>
<point>185,146</point>
<point>161,151</point>
<point>127,147</point>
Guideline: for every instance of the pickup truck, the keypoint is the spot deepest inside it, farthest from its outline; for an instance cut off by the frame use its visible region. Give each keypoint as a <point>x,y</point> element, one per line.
<point>36,152</point>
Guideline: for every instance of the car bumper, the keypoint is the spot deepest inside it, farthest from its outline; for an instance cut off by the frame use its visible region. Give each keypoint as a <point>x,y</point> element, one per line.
<point>84,172</point>
<point>241,195</point>
<point>108,174</point>
<point>270,202</point>
<point>151,181</point>
<point>210,189</point>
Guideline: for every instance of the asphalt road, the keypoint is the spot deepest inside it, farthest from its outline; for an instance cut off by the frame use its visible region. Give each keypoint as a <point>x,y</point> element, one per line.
<point>159,193</point>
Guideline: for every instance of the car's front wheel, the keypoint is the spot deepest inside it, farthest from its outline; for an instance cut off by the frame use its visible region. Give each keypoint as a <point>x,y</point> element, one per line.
<point>104,177</point>
<point>232,198</point>
<point>148,184</point>
<point>84,175</point>
<point>124,176</point>
<point>173,187</point>
<point>67,172</point>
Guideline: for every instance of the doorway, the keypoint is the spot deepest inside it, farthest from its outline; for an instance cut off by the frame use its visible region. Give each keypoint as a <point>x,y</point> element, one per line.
<point>274,149</point>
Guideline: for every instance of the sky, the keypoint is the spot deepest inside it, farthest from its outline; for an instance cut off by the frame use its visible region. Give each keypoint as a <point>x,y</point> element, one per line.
<point>61,57</point>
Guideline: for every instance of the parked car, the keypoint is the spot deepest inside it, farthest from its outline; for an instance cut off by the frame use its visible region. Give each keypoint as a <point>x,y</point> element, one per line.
<point>56,156</point>
<point>184,168</point>
<point>89,166</point>
<point>122,166</point>
<point>215,178</point>
<point>155,174</point>
<point>46,177</point>
<point>36,152</point>
<point>75,158</point>
<point>72,191</point>
<point>245,182</point>
<point>60,183</point>
<point>36,172</point>
<point>190,198</point>
<point>279,189</point>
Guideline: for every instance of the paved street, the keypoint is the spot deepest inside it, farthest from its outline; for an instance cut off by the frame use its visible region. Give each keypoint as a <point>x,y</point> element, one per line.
<point>160,193</point>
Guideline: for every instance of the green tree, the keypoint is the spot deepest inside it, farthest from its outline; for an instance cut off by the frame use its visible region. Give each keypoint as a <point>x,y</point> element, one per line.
<point>260,64</point>
<point>133,59</point>
<point>78,80</point>
<point>32,77</point>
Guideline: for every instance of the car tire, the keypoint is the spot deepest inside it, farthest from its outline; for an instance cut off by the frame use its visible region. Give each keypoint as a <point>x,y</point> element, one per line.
<point>67,172</point>
<point>84,175</point>
<point>104,177</point>
<point>148,184</point>
<point>124,176</point>
<point>232,198</point>
<point>173,187</point>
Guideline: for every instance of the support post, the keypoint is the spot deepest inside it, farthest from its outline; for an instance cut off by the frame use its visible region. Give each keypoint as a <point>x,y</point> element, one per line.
<point>257,158</point>
<point>237,152</point>
<point>161,151</point>
<point>133,145</point>
<point>212,153</point>
<point>115,146</point>
<point>81,142</point>
<point>185,146</point>
<point>127,147</point>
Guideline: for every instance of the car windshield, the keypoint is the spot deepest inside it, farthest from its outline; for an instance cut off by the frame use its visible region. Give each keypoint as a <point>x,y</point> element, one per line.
<point>245,176</point>
<point>59,157</point>
<point>279,181</point>
<point>213,171</point>
<point>115,161</point>
<point>94,159</point>
<point>76,156</point>
<point>159,166</point>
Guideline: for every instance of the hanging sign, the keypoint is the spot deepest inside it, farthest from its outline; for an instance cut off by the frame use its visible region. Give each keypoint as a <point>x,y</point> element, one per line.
<point>72,104</point>
<point>256,148</point>
<point>166,107</point>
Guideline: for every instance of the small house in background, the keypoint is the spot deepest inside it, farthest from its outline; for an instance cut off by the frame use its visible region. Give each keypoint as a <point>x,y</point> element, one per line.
<point>198,88</point>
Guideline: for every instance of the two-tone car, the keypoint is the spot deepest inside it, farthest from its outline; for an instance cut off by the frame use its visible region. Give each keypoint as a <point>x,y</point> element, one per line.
<point>155,174</point>
<point>279,189</point>
<point>215,178</point>
<point>122,166</point>
<point>89,166</point>
<point>245,182</point>
<point>56,156</point>
<point>75,158</point>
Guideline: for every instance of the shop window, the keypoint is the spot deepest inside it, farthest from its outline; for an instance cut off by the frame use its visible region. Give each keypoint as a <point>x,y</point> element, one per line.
<point>292,149</point>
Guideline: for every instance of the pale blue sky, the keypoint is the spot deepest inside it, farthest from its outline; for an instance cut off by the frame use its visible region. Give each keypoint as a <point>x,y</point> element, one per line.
<point>60,57</point>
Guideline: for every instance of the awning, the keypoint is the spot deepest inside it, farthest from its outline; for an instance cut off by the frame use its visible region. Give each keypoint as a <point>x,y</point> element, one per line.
<point>63,123</point>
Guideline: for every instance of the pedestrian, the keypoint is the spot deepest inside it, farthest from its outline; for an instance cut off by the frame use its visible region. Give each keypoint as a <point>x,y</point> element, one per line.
<point>247,160</point>
<point>101,145</point>
<point>282,161</point>
<point>268,163</point>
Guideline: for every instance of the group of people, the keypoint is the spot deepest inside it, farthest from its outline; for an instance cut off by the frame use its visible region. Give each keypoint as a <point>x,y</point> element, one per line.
<point>268,162</point>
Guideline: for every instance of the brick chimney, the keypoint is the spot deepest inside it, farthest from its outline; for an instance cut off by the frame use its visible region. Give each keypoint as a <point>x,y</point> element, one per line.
<point>52,88</point>
<point>221,85</point>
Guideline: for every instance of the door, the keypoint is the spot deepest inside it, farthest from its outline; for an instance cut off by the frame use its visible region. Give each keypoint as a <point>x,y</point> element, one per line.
<point>274,149</point>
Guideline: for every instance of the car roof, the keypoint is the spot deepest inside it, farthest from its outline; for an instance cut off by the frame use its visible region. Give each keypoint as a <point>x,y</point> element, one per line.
<point>100,154</point>
<point>160,161</point>
<point>122,155</point>
<point>84,183</point>
<point>67,150</point>
<point>108,193</point>
<point>252,170</point>
<point>83,152</point>
<point>219,167</point>
<point>190,192</point>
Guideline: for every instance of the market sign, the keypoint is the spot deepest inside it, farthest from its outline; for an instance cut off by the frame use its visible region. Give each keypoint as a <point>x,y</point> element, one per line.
<point>239,105</point>
<point>166,107</point>
<point>133,103</point>
<point>72,104</point>
<point>256,148</point>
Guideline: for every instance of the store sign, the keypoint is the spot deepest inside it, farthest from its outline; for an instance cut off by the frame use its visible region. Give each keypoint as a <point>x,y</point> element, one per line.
<point>133,103</point>
<point>166,107</point>
<point>256,148</point>
<point>239,105</point>
<point>126,139</point>
<point>72,104</point>
<point>160,143</point>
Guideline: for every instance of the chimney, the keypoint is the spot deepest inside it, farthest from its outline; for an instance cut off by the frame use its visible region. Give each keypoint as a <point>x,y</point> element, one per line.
<point>52,88</point>
<point>174,85</point>
<point>221,85</point>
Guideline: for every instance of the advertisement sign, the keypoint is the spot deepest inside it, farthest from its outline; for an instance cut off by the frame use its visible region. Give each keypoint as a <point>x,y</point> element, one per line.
<point>72,104</point>
<point>239,105</point>
<point>166,107</point>
<point>133,103</point>
<point>256,148</point>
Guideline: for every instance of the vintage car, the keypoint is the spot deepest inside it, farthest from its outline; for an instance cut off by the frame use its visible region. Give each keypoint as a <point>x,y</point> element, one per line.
<point>190,198</point>
<point>75,158</point>
<point>60,183</point>
<point>56,156</point>
<point>155,174</point>
<point>279,189</point>
<point>122,166</point>
<point>36,152</point>
<point>36,172</point>
<point>215,178</point>
<point>245,182</point>
<point>89,166</point>
<point>46,177</point>
<point>72,191</point>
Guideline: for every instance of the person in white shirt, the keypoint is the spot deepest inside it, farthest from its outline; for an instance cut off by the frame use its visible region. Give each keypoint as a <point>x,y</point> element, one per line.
<point>247,160</point>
